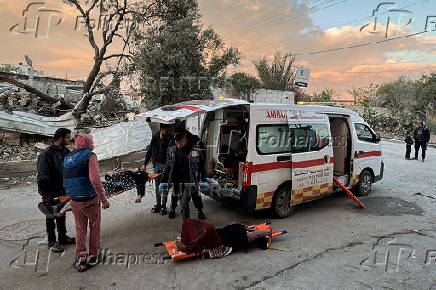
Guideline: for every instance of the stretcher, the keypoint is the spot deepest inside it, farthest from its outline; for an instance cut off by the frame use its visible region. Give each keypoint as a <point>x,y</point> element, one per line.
<point>151,176</point>
<point>175,255</point>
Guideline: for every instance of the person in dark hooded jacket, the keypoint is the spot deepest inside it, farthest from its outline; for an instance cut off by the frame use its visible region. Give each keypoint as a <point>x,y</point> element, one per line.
<point>157,154</point>
<point>184,171</point>
<point>50,187</point>
<point>422,137</point>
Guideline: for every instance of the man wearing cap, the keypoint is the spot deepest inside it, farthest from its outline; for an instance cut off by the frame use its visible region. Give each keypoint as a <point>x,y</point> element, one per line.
<point>184,171</point>
<point>157,153</point>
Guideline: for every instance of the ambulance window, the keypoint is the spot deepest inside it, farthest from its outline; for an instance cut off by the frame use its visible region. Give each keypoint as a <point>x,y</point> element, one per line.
<point>364,133</point>
<point>273,139</point>
<point>311,138</point>
<point>319,137</point>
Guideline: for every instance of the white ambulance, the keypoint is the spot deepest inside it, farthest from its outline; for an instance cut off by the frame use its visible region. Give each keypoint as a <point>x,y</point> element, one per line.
<point>275,156</point>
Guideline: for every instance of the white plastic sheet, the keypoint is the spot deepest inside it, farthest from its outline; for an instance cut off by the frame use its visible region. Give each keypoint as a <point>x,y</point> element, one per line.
<point>29,123</point>
<point>121,139</point>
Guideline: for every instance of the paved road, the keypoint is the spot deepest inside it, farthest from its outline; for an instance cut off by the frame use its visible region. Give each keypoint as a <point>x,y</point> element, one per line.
<point>332,243</point>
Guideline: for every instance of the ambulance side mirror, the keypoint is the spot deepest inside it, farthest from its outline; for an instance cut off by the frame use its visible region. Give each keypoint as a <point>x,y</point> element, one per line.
<point>377,137</point>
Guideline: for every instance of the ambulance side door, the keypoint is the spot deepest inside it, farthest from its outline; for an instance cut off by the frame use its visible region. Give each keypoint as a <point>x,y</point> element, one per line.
<point>312,158</point>
<point>367,151</point>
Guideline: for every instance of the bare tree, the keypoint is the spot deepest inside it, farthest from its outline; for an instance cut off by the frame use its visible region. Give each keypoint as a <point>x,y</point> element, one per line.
<point>121,18</point>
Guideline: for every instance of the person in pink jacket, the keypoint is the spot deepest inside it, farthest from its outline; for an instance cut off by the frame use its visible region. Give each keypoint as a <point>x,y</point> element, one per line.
<point>82,183</point>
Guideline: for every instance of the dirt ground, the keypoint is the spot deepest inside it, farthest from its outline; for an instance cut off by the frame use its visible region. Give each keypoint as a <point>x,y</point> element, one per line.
<point>331,243</point>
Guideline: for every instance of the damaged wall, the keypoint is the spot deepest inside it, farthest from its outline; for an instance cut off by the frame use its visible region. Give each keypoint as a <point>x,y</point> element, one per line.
<point>69,90</point>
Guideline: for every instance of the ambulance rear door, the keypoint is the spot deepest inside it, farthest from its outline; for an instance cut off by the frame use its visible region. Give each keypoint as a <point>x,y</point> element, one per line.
<point>311,155</point>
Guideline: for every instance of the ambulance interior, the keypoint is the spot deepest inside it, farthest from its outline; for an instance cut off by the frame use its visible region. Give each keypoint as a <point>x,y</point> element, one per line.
<point>342,148</point>
<point>226,133</point>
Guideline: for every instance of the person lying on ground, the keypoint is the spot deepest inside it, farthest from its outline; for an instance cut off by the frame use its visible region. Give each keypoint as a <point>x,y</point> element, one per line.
<point>198,236</point>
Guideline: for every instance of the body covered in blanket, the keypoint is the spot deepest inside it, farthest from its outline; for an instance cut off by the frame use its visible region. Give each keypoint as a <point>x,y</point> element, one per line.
<point>114,184</point>
<point>198,236</point>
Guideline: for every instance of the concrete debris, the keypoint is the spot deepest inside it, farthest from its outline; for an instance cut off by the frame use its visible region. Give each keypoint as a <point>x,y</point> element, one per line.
<point>40,146</point>
<point>18,153</point>
<point>9,138</point>
<point>14,99</point>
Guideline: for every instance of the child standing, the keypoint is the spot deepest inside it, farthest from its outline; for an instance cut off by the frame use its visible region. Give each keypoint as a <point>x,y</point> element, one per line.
<point>409,143</point>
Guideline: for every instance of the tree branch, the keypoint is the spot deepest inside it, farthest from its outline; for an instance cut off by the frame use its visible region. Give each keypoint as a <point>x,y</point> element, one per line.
<point>117,55</point>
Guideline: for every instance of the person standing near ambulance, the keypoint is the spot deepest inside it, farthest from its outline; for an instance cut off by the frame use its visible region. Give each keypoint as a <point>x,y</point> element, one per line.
<point>157,153</point>
<point>184,171</point>
<point>82,183</point>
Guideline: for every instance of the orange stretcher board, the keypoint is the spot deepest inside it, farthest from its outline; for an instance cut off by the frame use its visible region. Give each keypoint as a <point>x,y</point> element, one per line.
<point>175,255</point>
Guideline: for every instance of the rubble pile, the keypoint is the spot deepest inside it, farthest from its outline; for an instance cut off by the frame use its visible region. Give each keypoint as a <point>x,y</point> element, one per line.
<point>15,99</point>
<point>9,182</point>
<point>18,153</point>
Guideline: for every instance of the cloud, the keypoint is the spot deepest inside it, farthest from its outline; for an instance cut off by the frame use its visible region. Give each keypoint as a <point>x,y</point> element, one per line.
<point>258,28</point>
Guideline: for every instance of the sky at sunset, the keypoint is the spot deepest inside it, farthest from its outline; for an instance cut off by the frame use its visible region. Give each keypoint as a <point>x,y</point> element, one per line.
<point>355,57</point>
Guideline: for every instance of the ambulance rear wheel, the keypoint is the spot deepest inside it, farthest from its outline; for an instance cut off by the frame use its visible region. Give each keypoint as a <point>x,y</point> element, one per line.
<point>365,183</point>
<point>281,205</point>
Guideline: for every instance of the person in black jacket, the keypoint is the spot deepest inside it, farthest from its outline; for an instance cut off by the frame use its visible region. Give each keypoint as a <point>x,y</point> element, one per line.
<point>409,143</point>
<point>184,171</point>
<point>422,137</point>
<point>51,185</point>
<point>157,153</point>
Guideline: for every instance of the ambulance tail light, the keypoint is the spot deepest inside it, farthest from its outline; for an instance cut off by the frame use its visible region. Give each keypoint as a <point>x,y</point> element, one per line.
<point>246,173</point>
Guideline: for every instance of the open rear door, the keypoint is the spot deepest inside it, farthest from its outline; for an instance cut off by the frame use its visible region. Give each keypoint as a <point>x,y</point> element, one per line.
<point>311,155</point>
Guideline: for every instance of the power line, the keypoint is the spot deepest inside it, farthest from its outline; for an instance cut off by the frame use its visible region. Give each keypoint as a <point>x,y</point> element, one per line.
<point>352,46</point>
<point>345,23</point>
<point>388,71</point>
<point>265,18</point>
<point>306,11</point>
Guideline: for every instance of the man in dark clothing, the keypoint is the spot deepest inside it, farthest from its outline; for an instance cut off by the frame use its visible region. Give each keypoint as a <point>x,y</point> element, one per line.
<point>184,171</point>
<point>51,186</point>
<point>422,136</point>
<point>157,153</point>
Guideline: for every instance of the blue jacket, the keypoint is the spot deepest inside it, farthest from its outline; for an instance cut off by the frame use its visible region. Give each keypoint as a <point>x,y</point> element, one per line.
<point>76,176</point>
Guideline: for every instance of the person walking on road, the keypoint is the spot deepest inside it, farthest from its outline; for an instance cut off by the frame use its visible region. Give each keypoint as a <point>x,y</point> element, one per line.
<point>51,186</point>
<point>157,153</point>
<point>422,137</point>
<point>83,185</point>
<point>409,143</point>
<point>184,170</point>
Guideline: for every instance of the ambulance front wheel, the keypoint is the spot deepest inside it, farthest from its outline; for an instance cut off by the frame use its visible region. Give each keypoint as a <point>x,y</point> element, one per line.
<point>281,205</point>
<point>365,183</point>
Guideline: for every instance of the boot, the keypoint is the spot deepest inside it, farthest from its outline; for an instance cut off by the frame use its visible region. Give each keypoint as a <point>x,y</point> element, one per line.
<point>201,215</point>
<point>163,211</point>
<point>172,214</point>
<point>156,209</point>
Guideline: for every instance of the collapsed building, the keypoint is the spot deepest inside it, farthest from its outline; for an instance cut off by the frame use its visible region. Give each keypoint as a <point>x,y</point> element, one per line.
<point>33,107</point>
